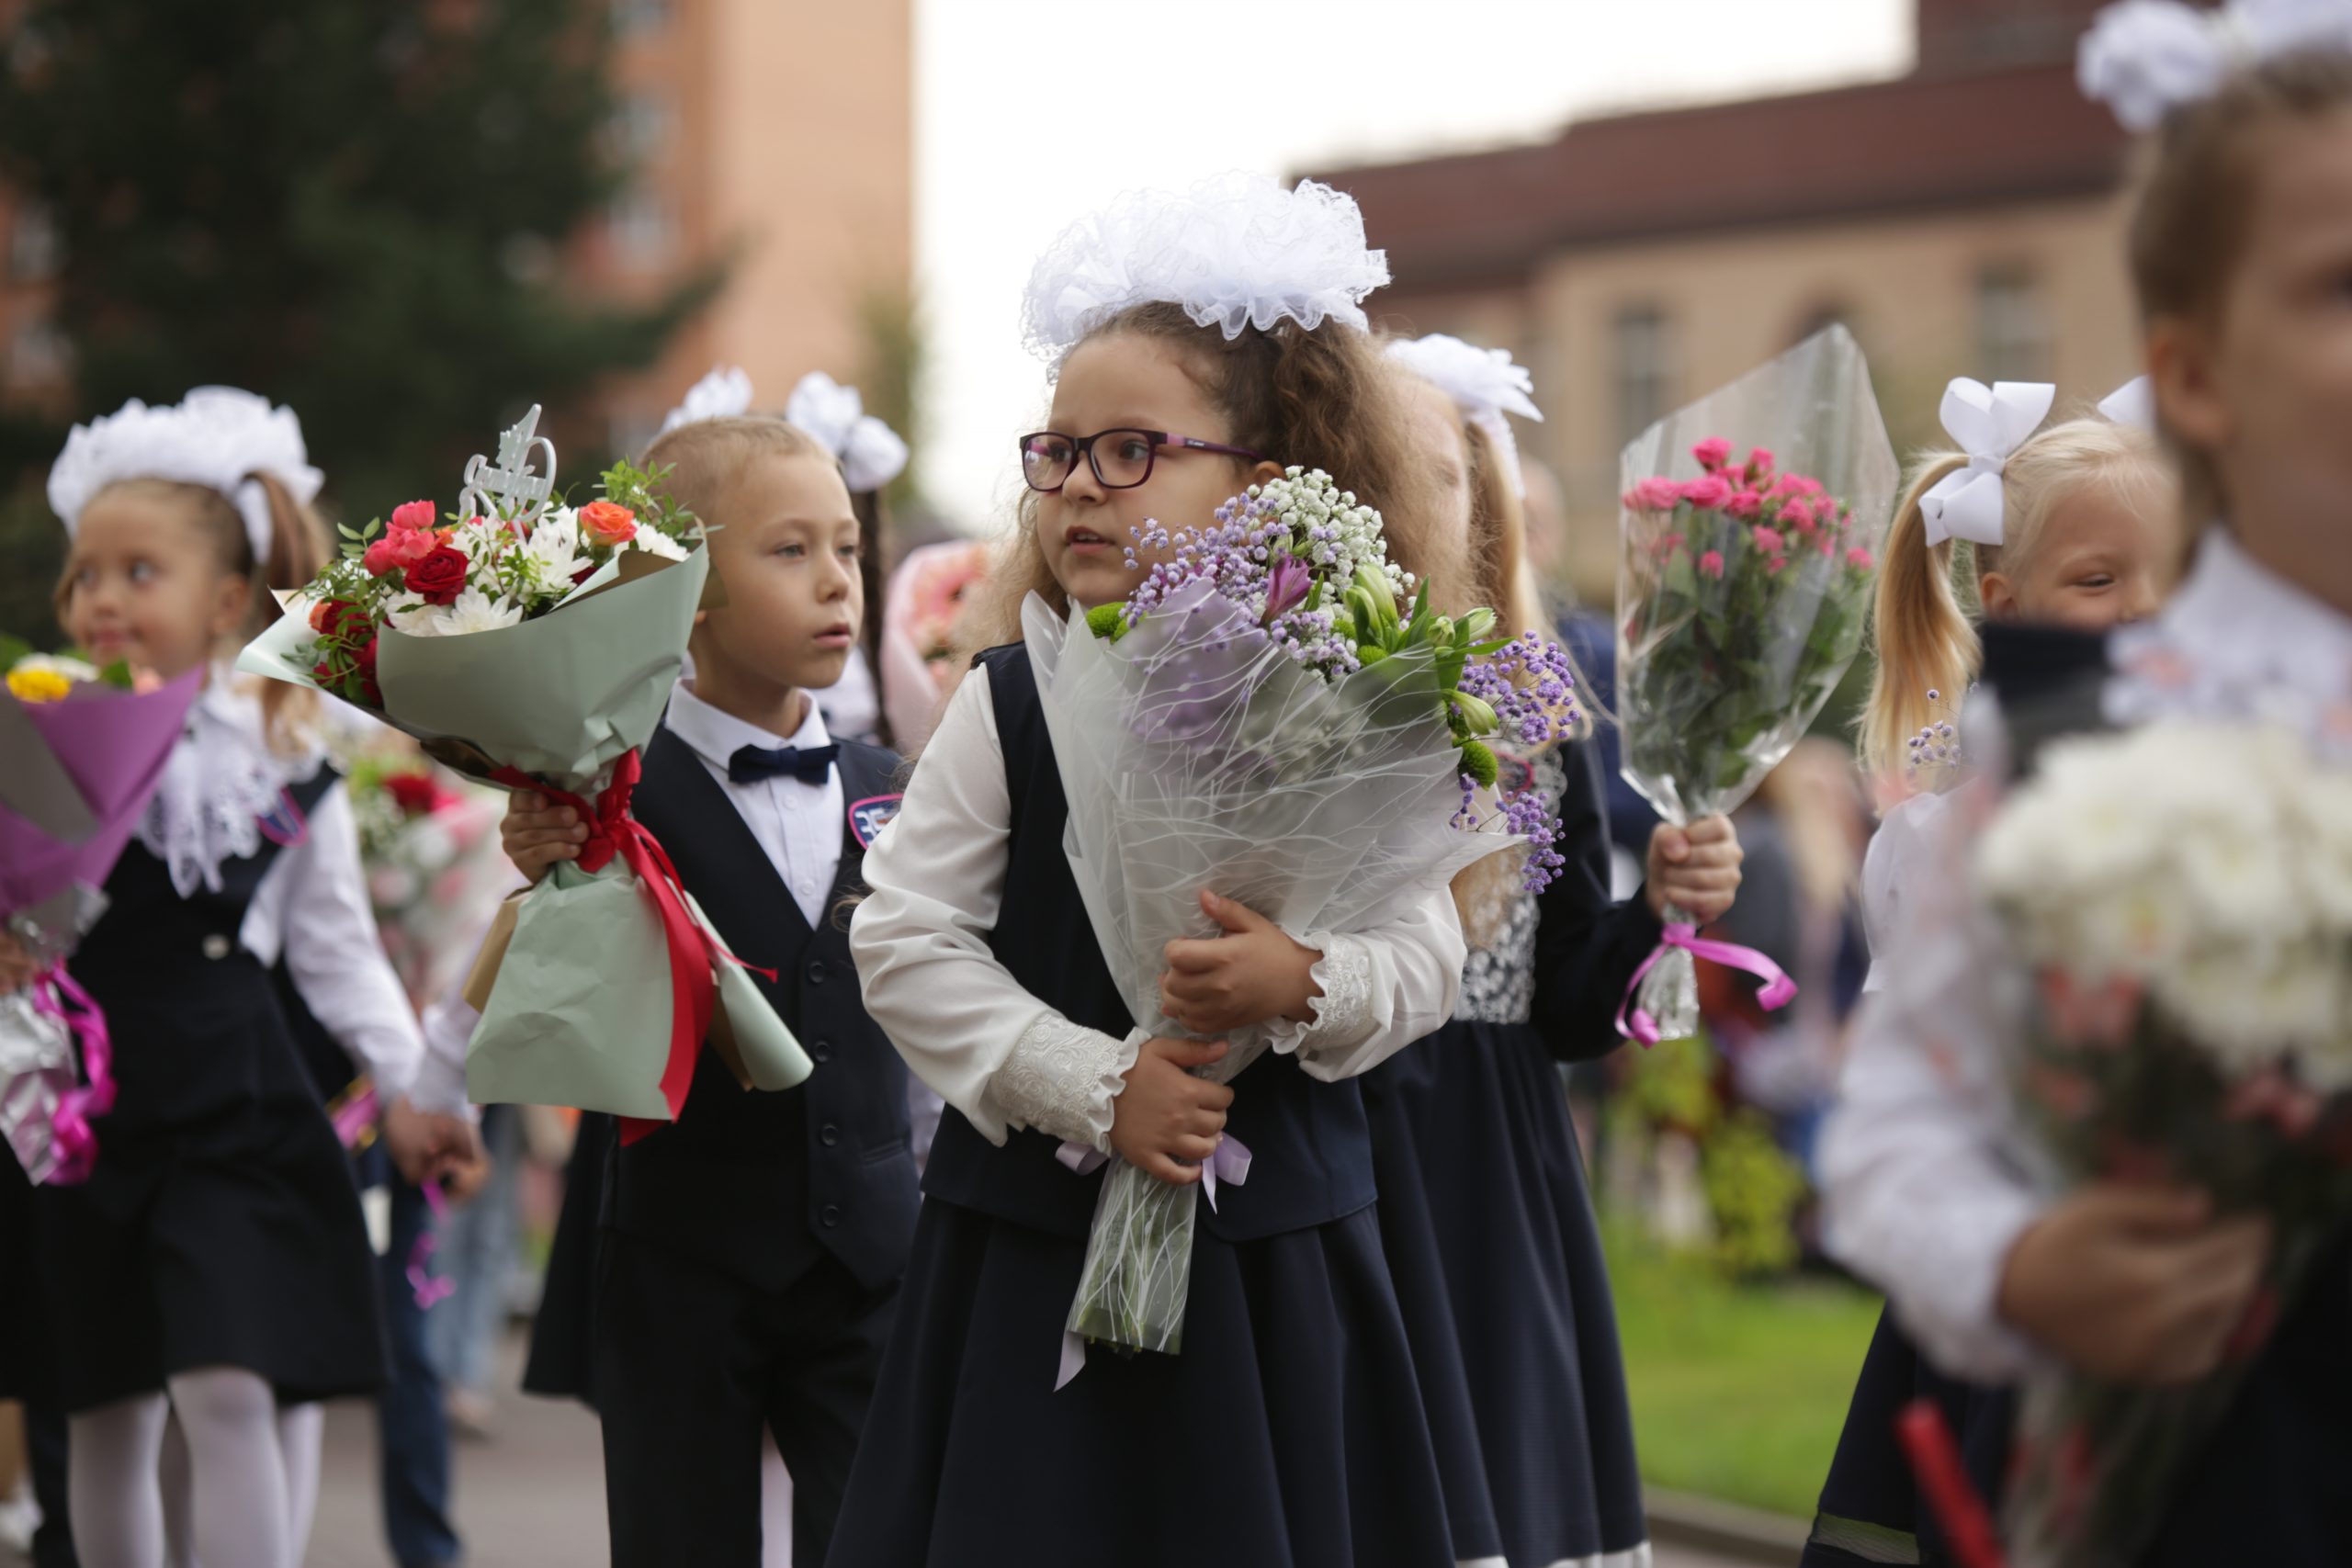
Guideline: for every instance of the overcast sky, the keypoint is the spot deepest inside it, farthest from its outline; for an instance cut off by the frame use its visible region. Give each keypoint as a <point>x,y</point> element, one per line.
<point>1081,99</point>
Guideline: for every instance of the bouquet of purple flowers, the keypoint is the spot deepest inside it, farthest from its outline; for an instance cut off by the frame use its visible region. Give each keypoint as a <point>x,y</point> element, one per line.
<point>1278,715</point>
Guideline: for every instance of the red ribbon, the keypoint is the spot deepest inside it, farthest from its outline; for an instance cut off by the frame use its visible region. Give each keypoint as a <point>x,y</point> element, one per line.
<point>1935,1460</point>
<point>694,953</point>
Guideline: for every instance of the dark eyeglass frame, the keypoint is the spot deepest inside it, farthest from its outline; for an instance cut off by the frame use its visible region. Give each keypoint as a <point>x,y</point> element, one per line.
<point>1084,446</point>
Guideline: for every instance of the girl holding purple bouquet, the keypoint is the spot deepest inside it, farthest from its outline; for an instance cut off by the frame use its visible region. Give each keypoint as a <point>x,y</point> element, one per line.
<point>1484,1211</point>
<point>1203,342</point>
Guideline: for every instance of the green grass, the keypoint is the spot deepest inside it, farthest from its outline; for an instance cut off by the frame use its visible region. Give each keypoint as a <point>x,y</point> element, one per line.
<point>1738,1390</point>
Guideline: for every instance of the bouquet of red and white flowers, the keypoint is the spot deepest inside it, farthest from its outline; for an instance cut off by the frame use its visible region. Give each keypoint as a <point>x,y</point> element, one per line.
<point>534,646</point>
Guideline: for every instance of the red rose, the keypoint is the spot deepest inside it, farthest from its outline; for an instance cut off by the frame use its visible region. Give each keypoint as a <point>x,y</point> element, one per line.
<point>415,515</point>
<point>363,664</point>
<point>335,619</point>
<point>401,548</point>
<point>414,793</point>
<point>608,522</point>
<point>440,577</point>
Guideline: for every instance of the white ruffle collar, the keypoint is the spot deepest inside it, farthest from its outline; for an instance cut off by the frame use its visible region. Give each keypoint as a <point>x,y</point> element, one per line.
<point>222,782</point>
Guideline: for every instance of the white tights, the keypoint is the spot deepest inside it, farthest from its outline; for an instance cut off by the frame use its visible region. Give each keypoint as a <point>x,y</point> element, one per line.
<point>213,1471</point>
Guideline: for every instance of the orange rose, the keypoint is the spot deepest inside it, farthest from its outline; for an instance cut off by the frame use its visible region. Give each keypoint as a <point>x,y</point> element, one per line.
<point>608,522</point>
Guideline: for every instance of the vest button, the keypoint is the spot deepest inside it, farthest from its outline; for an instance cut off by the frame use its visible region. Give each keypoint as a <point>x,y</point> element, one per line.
<point>821,1050</point>
<point>828,1134</point>
<point>216,946</point>
<point>816,971</point>
<point>829,1216</point>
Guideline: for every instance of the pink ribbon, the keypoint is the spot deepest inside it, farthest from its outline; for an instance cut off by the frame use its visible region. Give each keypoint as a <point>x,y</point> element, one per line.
<point>428,1289</point>
<point>352,1118</point>
<point>1779,989</point>
<point>70,1131</point>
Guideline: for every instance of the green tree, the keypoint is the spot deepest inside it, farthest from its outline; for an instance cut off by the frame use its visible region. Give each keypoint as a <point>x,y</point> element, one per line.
<point>354,207</point>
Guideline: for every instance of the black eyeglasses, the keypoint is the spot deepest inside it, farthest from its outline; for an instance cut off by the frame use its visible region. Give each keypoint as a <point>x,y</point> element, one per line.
<point>1121,459</point>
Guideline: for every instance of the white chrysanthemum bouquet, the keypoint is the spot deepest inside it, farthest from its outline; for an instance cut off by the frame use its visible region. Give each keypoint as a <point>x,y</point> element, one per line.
<point>2181,897</point>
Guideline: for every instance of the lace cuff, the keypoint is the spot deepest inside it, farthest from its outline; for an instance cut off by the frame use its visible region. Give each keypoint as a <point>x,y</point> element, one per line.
<point>1343,1012</point>
<point>1061,1079</point>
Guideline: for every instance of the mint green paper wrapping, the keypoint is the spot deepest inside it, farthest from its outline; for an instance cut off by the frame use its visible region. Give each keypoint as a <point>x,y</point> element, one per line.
<point>559,697</point>
<point>580,1013</point>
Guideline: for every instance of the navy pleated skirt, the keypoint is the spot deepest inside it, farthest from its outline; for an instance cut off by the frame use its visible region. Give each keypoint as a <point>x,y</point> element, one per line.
<point>1497,1260</point>
<point>1288,1434</point>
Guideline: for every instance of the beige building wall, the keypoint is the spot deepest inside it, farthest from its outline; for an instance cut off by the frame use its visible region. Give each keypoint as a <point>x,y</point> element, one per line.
<point>1912,290</point>
<point>780,133</point>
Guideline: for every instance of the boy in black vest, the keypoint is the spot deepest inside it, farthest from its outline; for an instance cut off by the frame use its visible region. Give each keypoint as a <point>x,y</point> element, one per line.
<point>749,1254</point>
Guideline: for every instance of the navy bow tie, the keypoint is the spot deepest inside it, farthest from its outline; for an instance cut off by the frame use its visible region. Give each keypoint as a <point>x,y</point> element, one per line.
<point>811,764</point>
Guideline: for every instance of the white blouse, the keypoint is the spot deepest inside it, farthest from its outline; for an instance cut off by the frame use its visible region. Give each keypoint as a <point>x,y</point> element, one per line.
<point>1005,1059</point>
<point>312,907</point>
<point>1926,1186</point>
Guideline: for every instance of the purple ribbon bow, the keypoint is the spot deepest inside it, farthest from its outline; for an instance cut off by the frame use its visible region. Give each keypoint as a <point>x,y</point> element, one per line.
<point>1230,1163</point>
<point>1778,992</point>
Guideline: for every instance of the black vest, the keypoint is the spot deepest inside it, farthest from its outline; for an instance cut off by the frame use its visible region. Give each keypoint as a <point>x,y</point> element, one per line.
<point>760,1184</point>
<point>1311,1148</point>
<point>2266,1486</point>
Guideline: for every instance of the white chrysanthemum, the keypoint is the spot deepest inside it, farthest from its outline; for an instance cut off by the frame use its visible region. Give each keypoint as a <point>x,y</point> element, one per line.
<point>409,613</point>
<point>474,611</point>
<point>554,550</point>
<point>655,542</point>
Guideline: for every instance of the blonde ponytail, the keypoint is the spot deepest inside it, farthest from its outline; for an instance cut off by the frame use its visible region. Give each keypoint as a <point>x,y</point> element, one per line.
<point>1924,639</point>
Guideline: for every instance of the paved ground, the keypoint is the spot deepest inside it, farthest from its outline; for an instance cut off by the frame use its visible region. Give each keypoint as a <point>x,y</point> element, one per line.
<point>532,1496</point>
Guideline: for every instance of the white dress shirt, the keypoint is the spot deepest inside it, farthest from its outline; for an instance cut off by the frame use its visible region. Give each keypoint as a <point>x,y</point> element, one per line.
<point>1004,1058</point>
<point>1926,1186</point>
<point>799,825</point>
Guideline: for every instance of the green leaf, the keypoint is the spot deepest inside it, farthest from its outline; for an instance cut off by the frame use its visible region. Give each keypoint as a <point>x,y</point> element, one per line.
<point>116,674</point>
<point>347,531</point>
<point>13,649</point>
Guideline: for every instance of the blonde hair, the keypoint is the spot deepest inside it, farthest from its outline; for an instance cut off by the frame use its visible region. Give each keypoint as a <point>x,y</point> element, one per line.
<point>1924,631</point>
<point>1317,400</point>
<point>2195,200</point>
<point>298,552</point>
<point>703,458</point>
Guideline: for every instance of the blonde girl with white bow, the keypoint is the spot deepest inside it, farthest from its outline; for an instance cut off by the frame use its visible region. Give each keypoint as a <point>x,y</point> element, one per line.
<point>2077,525</point>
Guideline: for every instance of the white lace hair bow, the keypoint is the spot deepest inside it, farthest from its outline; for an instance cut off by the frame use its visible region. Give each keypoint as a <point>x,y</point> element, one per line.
<point>2132,403</point>
<point>216,436</point>
<point>1235,250</point>
<point>871,453</point>
<point>2143,59</point>
<point>724,393</point>
<point>1484,383</point>
<point>1988,423</point>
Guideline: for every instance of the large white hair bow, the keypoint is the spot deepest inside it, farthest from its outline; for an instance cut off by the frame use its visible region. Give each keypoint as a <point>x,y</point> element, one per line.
<point>1988,423</point>
<point>1236,251</point>
<point>2146,58</point>
<point>871,453</point>
<point>1484,383</point>
<point>216,436</point>
<point>2132,403</point>
<point>724,393</point>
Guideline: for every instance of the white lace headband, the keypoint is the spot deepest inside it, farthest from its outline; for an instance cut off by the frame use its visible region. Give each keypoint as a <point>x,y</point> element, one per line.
<point>1235,250</point>
<point>216,436</point>
<point>724,393</point>
<point>871,453</point>
<point>1484,384</point>
<point>2143,59</point>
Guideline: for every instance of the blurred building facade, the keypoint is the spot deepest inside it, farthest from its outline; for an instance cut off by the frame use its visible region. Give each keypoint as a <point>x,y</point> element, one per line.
<point>1965,219</point>
<point>778,133</point>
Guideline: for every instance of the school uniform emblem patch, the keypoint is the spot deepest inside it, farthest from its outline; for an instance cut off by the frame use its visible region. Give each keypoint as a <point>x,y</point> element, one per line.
<point>867,818</point>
